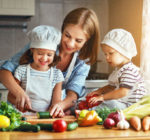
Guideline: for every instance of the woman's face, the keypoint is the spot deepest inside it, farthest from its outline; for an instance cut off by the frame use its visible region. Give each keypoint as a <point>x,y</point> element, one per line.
<point>73,39</point>
<point>42,59</point>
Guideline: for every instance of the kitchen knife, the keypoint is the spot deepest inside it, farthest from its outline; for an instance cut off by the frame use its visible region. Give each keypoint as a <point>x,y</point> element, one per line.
<point>33,111</point>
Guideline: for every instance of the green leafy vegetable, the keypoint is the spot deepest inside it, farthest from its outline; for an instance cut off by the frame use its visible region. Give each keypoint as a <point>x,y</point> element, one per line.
<point>14,116</point>
<point>104,112</point>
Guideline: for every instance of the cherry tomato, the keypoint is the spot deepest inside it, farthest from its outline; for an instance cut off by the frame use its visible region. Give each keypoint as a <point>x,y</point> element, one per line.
<point>59,126</point>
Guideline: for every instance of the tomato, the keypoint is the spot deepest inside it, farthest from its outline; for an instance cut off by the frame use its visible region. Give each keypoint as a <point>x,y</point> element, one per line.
<point>59,126</point>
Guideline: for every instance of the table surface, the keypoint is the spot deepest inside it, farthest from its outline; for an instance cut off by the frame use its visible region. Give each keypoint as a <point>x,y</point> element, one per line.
<point>96,132</point>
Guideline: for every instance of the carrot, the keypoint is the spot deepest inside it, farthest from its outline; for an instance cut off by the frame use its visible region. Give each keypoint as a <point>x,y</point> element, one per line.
<point>135,122</point>
<point>146,123</point>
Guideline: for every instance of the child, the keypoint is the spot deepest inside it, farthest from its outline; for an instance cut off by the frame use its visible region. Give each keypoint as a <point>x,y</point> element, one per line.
<point>126,85</point>
<point>37,74</point>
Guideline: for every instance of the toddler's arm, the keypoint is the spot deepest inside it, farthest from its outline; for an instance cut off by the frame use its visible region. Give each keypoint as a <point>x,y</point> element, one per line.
<point>113,94</point>
<point>116,94</point>
<point>102,90</point>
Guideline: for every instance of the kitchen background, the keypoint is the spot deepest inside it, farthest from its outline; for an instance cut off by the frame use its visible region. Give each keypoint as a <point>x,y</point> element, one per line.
<point>17,17</point>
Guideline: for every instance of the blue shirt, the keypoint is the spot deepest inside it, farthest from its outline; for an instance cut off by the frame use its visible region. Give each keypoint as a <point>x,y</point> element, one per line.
<point>76,81</point>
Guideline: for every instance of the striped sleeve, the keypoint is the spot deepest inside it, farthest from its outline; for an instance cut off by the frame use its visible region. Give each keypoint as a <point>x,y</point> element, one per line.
<point>20,72</point>
<point>129,77</point>
<point>58,76</point>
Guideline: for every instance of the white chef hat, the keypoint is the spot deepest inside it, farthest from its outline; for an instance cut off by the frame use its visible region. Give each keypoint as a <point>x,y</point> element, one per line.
<point>122,41</point>
<point>44,37</point>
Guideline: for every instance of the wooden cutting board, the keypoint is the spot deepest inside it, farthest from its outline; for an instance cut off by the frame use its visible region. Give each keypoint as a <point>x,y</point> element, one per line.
<point>33,119</point>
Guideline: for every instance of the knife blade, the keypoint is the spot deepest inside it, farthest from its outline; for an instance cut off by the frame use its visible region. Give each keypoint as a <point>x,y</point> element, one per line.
<point>31,110</point>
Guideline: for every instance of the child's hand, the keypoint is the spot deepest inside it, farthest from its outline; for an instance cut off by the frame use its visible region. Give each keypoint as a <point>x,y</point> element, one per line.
<point>96,99</point>
<point>56,111</point>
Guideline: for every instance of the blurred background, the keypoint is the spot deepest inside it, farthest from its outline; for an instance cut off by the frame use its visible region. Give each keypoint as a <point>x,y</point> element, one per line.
<point>17,17</point>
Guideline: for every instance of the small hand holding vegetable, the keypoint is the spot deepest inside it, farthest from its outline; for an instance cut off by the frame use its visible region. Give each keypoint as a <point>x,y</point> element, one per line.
<point>86,104</point>
<point>89,118</point>
<point>56,111</point>
<point>95,100</point>
<point>122,124</point>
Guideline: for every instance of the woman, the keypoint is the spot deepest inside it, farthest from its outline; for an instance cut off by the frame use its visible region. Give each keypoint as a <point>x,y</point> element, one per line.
<point>78,50</point>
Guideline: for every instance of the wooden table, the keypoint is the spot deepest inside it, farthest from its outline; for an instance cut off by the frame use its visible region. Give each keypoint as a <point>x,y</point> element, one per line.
<point>83,133</point>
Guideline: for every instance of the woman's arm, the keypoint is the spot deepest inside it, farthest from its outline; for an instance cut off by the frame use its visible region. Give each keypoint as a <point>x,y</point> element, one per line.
<point>68,101</point>
<point>76,84</point>
<point>7,79</point>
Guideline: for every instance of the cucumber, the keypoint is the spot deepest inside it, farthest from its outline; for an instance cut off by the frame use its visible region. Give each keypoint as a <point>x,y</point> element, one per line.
<point>43,115</point>
<point>72,126</point>
<point>48,127</point>
<point>28,127</point>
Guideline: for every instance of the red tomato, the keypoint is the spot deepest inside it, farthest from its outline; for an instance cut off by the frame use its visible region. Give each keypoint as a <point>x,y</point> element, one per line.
<point>59,126</point>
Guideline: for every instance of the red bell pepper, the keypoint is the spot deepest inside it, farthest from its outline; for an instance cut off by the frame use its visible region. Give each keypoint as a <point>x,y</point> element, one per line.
<point>85,104</point>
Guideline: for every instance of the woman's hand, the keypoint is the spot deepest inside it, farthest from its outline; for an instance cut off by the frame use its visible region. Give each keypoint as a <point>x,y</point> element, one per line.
<point>22,101</point>
<point>56,110</point>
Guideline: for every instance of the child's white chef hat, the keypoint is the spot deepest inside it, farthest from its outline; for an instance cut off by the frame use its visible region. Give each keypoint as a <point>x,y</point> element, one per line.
<point>122,41</point>
<point>44,37</point>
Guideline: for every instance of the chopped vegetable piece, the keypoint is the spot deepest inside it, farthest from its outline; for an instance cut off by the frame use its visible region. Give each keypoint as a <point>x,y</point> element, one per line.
<point>43,115</point>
